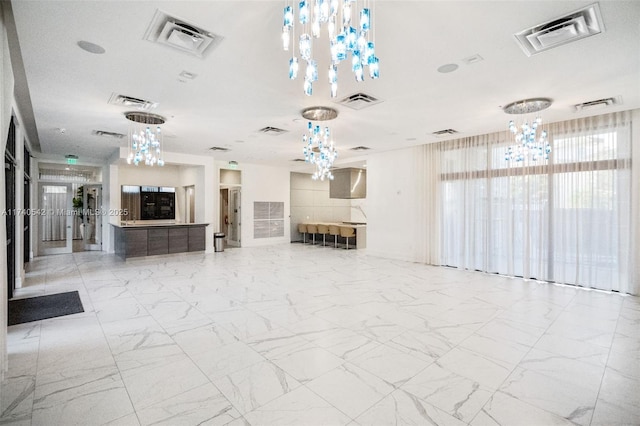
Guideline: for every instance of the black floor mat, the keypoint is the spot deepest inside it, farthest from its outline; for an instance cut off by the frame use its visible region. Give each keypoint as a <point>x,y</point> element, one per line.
<point>43,307</point>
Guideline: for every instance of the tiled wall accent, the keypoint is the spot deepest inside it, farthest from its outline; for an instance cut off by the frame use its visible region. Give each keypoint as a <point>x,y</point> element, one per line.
<point>268,219</point>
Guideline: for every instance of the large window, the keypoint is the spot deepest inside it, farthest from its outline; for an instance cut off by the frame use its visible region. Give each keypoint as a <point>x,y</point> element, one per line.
<point>565,219</point>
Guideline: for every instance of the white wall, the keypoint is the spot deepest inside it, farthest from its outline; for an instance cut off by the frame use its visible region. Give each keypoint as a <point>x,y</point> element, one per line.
<point>168,175</point>
<point>6,97</point>
<point>263,183</point>
<point>394,204</point>
<point>310,202</point>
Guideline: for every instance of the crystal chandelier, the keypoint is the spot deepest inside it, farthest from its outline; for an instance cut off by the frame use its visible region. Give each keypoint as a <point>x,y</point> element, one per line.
<point>319,148</point>
<point>145,141</point>
<point>530,139</point>
<point>346,37</point>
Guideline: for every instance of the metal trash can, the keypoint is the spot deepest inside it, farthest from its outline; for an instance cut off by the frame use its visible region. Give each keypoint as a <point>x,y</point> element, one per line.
<point>218,241</point>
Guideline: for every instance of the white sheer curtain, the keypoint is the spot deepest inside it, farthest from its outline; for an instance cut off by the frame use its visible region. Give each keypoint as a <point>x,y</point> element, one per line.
<point>54,221</point>
<point>432,191</point>
<point>566,219</point>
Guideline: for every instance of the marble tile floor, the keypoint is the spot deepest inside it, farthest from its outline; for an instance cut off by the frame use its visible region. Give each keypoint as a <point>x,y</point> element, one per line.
<point>306,335</point>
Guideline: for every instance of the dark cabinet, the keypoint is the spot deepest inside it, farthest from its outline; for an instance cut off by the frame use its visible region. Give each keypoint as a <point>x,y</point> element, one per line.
<point>158,241</point>
<point>134,241</point>
<point>178,240</point>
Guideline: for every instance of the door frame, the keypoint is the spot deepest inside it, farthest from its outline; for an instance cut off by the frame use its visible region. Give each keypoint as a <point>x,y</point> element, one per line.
<point>231,217</point>
<point>66,211</point>
<point>94,212</point>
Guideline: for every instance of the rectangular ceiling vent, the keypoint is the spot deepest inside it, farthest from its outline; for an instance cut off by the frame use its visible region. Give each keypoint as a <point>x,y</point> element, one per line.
<point>218,149</point>
<point>562,30</point>
<point>445,132</point>
<point>360,148</point>
<point>600,103</point>
<point>359,101</point>
<point>269,130</point>
<point>106,134</point>
<point>131,102</point>
<point>180,34</point>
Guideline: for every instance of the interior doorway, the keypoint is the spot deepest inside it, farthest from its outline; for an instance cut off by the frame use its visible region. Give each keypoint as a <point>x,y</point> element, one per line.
<point>231,206</point>
<point>91,217</point>
<point>190,204</point>
<point>10,206</point>
<point>230,215</point>
<point>56,220</point>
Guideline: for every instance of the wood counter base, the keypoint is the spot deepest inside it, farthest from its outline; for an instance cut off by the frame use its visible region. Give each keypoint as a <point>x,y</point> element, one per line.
<point>136,241</point>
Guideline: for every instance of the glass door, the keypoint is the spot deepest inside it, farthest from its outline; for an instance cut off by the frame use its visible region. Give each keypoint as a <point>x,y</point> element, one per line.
<point>233,239</point>
<point>91,227</point>
<point>56,218</point>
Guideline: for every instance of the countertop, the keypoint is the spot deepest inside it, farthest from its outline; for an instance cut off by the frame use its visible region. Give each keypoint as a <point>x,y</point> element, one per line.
<point>150,225</point>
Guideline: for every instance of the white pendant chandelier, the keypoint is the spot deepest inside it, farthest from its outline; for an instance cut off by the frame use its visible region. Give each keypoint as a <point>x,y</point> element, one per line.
<point>319,148</point>
<point>531,141</point>
<point>145,138</point>
<point>349,34</point>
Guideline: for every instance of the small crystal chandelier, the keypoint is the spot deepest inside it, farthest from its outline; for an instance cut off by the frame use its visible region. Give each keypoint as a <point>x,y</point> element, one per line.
<point>344,39</point>
<point>530,139</point>
<point>145,142</point>
<point>319,148</point>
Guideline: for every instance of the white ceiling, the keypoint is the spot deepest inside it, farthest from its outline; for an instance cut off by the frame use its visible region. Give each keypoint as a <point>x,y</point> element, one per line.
<point>243,86</point>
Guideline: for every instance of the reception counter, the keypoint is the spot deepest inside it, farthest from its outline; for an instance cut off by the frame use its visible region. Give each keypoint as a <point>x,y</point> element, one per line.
<point>150,239</point>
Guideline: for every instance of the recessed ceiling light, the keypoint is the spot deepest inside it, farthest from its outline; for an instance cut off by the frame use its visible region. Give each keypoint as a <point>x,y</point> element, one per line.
<point>188,75</point>
<point>473,59</point>
<point>446,68</point>
<point>91,47</point>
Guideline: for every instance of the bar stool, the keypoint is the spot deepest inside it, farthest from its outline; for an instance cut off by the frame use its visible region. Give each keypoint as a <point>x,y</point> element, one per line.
<point>335,231</point>
<point>312,229</point>
<point>347,232</point>
<point>302,228</point>
<point>324,231</point>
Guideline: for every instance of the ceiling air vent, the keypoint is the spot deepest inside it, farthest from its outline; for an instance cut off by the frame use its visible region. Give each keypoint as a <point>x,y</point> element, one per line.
<point>360,148</point>
<point>445,132</point>
<point>218,149</point>
<point>131,102</point>
<point>359,101</point>
<point>269,130</point>
<point>180,34</point>
<point>106,134</point>
<point>562,30</point>
<point>600,103</point>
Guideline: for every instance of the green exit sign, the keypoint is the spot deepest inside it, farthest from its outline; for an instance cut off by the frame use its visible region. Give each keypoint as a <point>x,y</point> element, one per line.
<point>72,161</point>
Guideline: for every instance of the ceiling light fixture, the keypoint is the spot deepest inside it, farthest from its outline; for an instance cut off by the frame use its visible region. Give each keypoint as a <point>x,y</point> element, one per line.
<point>91,47</point>
<point>447,68</point>
<point>344,38</point>
<point>145,143</point>
<point>528,141</point>
<point>319,148</point>
<point>319,113</point>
